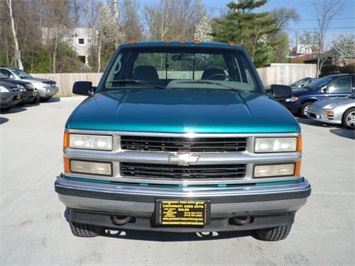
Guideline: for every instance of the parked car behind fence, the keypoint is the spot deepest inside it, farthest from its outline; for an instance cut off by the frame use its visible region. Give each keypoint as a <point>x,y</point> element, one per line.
<point>46,88</point>
<point>26,88</point>
<point>9,96</point>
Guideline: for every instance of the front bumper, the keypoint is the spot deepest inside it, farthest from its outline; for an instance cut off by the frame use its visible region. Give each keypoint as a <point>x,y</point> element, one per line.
<point>46,92</point>
<point>97,203</point>
<point>10,99</point>
<point>319,114</point>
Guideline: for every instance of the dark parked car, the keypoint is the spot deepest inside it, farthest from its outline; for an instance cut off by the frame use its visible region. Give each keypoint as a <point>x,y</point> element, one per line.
<point>9,96</point>
<point>26,88</point>
<point>337,85</point>
<point>301,82</point>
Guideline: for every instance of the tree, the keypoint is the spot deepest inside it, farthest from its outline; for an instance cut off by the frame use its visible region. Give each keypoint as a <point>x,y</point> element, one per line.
<point>172,19</point>
<point>309,41</point>
<point>57,23</point>
<point>14,33</point>
<point>280,48</point>
<point>280,39</point>
<point>204,30</point>
<point>130,22</point>
<point>109,35</point>
<point>344,47</point>
<point>325,11</point>
<point>284,16</point>
<point>251,30</point>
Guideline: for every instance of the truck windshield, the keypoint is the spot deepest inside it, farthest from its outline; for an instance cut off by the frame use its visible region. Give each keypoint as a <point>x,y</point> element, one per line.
<point>175,67</point>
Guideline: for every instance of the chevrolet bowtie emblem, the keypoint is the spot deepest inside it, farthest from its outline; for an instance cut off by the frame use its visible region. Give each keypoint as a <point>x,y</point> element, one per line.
<point>184,159</point>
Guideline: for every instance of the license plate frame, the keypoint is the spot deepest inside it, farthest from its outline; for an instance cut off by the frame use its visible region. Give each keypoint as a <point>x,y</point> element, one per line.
<point>182,213</point>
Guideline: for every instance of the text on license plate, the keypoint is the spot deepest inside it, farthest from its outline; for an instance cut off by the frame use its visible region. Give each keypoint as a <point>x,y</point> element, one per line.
<point>182,212</point>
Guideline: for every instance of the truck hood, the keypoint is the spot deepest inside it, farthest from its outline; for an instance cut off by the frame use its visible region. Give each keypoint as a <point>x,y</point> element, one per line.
<point>182,111</point>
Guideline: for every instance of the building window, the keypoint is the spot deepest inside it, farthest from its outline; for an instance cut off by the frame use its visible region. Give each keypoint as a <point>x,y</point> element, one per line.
<point>82,58</point>
<point>81,41</point>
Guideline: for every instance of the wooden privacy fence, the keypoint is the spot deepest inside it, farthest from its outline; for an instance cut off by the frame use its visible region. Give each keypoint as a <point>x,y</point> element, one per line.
<point>274,74</point>
<point>286,73</point>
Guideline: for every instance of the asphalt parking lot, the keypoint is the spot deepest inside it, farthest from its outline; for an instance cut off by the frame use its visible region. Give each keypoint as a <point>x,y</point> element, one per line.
<point>34,231</point>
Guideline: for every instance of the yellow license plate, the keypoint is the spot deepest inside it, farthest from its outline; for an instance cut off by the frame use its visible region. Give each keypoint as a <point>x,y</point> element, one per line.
<point>182,212</point>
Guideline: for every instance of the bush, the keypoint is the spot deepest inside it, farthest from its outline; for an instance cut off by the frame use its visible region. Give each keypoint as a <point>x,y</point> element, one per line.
<point>328,70</point>
<point>348,68</point>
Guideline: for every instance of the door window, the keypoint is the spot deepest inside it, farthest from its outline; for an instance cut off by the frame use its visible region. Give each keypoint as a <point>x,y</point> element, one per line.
<point>340,85</point>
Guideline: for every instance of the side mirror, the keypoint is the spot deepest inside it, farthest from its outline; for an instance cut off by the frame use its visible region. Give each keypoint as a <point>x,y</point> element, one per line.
<point>281,92</point>
<point>83,88</point>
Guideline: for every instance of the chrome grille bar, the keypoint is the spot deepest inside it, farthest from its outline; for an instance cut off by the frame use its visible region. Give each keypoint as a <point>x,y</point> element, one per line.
<point>191,172</point>
<point>180,144</point>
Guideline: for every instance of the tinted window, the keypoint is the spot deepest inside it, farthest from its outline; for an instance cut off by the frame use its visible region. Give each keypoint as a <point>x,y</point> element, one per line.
<point>340,85</point>
<point>5,72</point>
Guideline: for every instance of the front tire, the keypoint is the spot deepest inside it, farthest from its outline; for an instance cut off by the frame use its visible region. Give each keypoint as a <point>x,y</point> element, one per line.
<point>349,118</point>
<point>35,99</point>
<point>274,234</point>
<point>304,109</point>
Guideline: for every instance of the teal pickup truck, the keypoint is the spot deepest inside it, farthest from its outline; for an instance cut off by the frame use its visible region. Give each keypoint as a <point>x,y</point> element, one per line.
<point>181,137</point>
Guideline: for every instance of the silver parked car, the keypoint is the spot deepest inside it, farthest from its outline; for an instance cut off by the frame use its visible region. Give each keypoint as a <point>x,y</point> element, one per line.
<point>46,88</point>
<point>334,111</point>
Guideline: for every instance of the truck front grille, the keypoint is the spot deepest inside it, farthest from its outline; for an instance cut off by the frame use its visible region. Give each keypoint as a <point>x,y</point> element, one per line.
<point>167,171</point>
<point>180,144</point>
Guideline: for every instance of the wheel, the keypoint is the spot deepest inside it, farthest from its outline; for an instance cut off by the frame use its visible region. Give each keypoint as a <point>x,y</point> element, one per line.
<point>84,230</point>
<point>35,99</point>
<point>46,99</point>
<point>349,118</point>
<point>304,109</point>
<point>274,234</point>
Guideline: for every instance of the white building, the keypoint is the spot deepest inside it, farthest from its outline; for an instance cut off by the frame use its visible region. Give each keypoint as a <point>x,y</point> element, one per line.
<point>80,39</point>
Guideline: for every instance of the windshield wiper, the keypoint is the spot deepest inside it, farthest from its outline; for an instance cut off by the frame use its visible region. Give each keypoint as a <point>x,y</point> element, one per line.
<point>135,81</point>
<point>215,83</point>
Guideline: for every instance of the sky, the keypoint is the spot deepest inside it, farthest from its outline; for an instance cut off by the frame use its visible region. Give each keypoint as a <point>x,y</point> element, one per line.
<point>345,23</point>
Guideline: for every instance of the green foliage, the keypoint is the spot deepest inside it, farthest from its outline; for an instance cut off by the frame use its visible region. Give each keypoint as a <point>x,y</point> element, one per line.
<point>279,42</point>
<point>251,30</point>
<point>334,69</point>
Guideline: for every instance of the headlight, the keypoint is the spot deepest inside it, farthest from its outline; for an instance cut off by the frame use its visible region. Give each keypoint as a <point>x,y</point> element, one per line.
<point>21,87</point>
<point>91,168</point>
<point>277,144</point>
<point>3,89</point>
<point>330,106</point>
<point>29,86</point>
<point>293,99</point>
<point>274,170</point>
<point>90,142</point>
